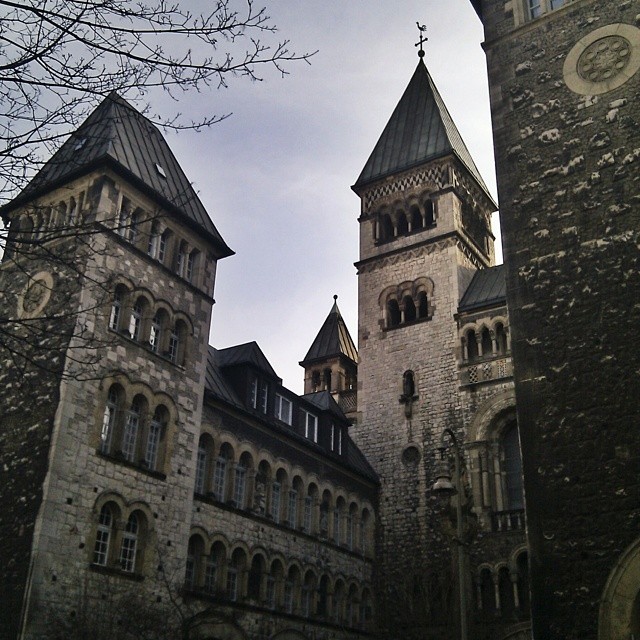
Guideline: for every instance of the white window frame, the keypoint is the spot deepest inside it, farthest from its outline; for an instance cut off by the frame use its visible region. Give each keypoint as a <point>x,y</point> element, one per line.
<point>293,507</point>
<point>201,469</point>
<point>210,574</point>
<point>130,433</point>
<point>153,443</point>
<point>220,478</point>
<point>129,547</point>
<point>283,409</point>
<point>155,334</point>
<point>264,396</point>
<point>103,537</point>
<point>116,312</point>
<point>310,425</point>
<point>276,495</point>
<point>308,514</point>
<point>240,486</point>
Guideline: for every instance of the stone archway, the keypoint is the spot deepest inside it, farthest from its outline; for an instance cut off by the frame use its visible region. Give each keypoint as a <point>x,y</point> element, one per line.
<point>619,616</point>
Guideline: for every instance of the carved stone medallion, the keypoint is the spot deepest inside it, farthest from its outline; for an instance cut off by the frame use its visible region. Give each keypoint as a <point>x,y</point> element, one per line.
<point>603,60</point>
<point>35,295</point>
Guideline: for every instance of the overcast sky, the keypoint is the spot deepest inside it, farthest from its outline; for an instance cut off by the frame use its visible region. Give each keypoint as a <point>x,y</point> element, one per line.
<point>276,176</point>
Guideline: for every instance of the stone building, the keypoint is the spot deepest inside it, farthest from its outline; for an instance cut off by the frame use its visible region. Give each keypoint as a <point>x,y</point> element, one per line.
<point>148,480</point>
<point>564,88</point>
<point>435,354</point>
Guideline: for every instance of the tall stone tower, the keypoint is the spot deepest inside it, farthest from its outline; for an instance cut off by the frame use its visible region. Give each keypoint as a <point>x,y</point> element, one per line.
<point>424,232</point>
<point>107,281</point>
<point>564,86</point>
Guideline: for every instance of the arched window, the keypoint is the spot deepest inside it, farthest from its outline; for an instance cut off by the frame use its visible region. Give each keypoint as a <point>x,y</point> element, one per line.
<point>366,610</point>
<point>423,305</point>
<point>339,597</point>
<point>129,547</point>
<point>323,597</point>
<point>403,225</point>
<point>393,313</point>
<point>153,245</point>
<point>365,532</point>
<point>134,226</point>
<point>522,566</point>
<point>513,467</point>
<point>155,333</point>
<point>193,261</point>
<point>164,245</point>
<point>416,218</point>
<point>220,472</point>
<point>472,345</point>
<point>235,571</point>
<point>315,381</point>
<point>213,567</point>
<point>193,570</point>
<point>112,410</point>
<point>181,259</point>
<point>155,437</point>
<point>277,489</point>
<point>428,211</point>
<point>131,429</point>
<point>326,375</point>
<point>135,319</point>
<point>386,228</point>
<point>487,345</point>
<point>409,309</point>
<point>256,578</point>
<point>338,517</point>
<point>308,520</point>
<point>203,464</point>
<point>123,217</point>
<point>487,592</point>
<point>291,588</point>
<point>505,588</point>
<point>325,506</point>
<point>104,530</point>
<point>352,607</point>
<point>306,596</point>
<point>240,481</point>
<point>177,343</point>
<point>501,338</point>
<point>115,317</point>
<point>351,526</point>
<point>273,582</point>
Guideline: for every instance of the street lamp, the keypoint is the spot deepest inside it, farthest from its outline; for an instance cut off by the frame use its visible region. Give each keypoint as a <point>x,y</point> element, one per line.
<point>443,487</point>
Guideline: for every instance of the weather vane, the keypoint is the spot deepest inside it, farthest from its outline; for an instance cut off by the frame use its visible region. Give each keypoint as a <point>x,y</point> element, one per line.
<point>422,28</point>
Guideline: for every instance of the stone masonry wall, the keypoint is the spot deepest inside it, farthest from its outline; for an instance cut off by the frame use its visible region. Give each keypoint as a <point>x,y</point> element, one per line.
<point>568,178</point>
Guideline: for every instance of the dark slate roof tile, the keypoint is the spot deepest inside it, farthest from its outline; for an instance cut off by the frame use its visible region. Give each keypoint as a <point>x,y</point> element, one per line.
<point>248,353</point>
<point>333,339</point>
<point>420,129</point>
<point>487,288</point>
<point>118,135</point>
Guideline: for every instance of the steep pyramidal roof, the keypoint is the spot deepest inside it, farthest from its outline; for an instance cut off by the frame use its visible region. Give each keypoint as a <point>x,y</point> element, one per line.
<point>247,353</point>
<point>119,135</point>
<point>333,339</point>
<point>420,129</point>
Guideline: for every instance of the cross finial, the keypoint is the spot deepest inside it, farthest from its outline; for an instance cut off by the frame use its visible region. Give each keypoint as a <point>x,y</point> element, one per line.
<point>422,28</point>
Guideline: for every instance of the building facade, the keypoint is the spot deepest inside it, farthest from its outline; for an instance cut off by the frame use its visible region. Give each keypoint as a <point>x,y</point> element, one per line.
<point>152,484</point>
<point>564,87</point>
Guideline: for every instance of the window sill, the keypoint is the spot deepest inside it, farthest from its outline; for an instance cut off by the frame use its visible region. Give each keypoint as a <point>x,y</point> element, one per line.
<point>115,571</point>
<point>408,324</point>
<point>123,333</point>
<point>132,465</point>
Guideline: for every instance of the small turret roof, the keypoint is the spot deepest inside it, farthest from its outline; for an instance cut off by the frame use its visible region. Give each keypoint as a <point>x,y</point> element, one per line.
<point>119,135</point>
<point>332,340</point>
<point>487,288</point>
<point>420,129</point>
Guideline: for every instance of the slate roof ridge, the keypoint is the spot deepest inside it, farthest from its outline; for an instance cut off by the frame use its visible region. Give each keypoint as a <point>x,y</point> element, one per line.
<point>333,339</point>
<point>420,129</point>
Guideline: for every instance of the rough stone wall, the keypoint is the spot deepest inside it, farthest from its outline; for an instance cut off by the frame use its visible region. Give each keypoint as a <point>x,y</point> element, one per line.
<point>567,166</point>
<point>78,476</point>
<point>29,394</point>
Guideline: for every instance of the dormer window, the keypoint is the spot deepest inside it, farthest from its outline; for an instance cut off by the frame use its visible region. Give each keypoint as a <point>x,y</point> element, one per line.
<point>283,409</point>
<point>259,394</point>
<point>537,7</point>
<point>310,426</point>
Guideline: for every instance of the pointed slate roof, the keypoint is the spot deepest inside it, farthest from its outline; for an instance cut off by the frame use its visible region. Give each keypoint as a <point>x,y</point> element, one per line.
<point>333,339</point>
<point>119,135</point>
<point>487,288</point>
<point>420,129</point>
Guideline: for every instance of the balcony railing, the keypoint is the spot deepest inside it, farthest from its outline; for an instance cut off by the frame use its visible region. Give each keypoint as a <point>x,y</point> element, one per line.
<point>477,372</point>
<point>512,520</point>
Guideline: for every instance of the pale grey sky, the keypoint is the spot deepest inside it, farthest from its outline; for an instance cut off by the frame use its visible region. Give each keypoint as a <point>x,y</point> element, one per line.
<point>276,176</point>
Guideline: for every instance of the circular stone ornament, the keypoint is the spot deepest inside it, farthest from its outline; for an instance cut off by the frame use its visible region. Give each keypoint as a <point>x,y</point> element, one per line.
<point>603,60</point>
<point>35,295</point>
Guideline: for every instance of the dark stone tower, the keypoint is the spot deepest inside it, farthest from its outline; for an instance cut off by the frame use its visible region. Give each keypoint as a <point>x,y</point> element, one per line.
<point>565,89</point>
